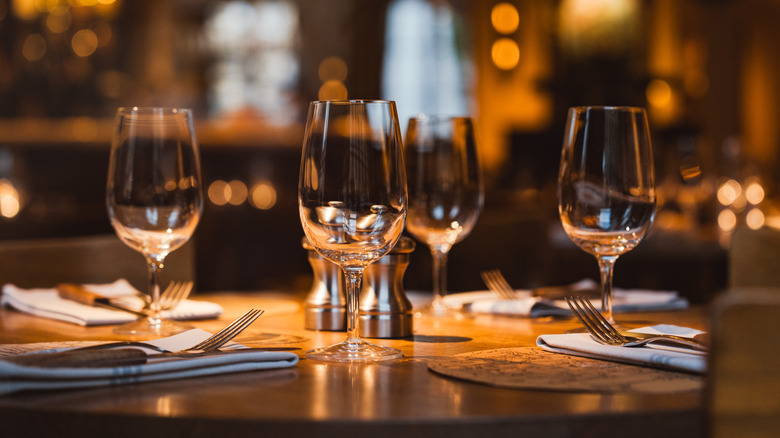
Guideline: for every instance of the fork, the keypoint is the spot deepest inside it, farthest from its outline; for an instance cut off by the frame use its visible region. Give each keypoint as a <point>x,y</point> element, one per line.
<point>175,293</point>
<point>76,357</point>
<point>496,282</point>
<point>605,333</point>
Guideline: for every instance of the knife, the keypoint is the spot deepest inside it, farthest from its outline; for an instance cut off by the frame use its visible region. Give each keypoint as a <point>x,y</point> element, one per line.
<point>81,295</point>
<point>116,357</point>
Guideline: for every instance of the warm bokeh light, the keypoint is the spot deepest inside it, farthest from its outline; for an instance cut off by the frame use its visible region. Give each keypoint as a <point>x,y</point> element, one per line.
<point>85,128</point>
<point>263,195</point>
<point>9,199</point>
<point>728,192</point>
<point>755,219</point>
<point>754,193</point>
<point>505,18</point>
<point>238,192</point>
<point>727,220</point>
<point>332,68</point>
<point>34,47</point>
<point>219,192</point>
<point>505,53</point>
<point>659,93</point>
<point>59,20</point>
<point>25,9</point>
<point>84,42</point>
<point>332,90</point>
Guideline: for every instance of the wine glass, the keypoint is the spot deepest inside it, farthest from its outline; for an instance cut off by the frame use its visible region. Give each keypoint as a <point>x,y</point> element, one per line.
<point>606,188</point>
<point>445,191</point>
<point>352,201</point>
<point>154,195</point>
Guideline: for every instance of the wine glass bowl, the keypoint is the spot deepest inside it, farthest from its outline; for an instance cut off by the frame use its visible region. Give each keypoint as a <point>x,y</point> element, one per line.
<point>352,201</point>
<point>153,195</point>
<point>445,191</point>
<point>606,189</point>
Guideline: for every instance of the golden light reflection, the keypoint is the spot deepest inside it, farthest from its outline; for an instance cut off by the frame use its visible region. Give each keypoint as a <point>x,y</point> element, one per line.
<point>505,18</point>
<point>9,199</point>
<point>754,193</point>
<point>59,20</point>
<point>332,90</point>
<point>238,192</point>
<point>755,219</point>
<point>332,68</point>
<point>85,128</point>
<point>659,93</point>
<point>263,195</point>
<point>728,192</point>
<point>84,42</point>
<point>34,47</point>
<point>25,9</point>
<point>505,53</point>
<point>219,192</point>
<point>727,220</point>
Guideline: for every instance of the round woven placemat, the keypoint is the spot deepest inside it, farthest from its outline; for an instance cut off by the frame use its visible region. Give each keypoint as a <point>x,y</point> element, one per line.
<point>534,368</point>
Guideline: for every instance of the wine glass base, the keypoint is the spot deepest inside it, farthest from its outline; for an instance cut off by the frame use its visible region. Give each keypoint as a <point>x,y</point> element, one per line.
<point>148,327</point>
<point>362,352</point>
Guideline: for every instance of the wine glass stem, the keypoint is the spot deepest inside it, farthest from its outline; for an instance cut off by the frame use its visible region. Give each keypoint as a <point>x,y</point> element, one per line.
<point>606,265</point>
<point>439,278</point>
<point>354,277</point>
<point>155,266</point>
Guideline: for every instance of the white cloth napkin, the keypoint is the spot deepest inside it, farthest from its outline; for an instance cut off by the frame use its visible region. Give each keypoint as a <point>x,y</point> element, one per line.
<point>527,305</point>
<point>656,356</point>
<point>46,303</point>
<point>14,377</point>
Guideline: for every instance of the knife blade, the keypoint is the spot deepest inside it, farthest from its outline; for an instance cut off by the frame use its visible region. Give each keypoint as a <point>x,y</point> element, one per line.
<point>82,295</point>
<point>116,357</point>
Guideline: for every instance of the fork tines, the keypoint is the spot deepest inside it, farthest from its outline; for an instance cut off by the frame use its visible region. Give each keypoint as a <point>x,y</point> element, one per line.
<point>496,282</point>
<point>231,331</point>
<point>593,321</point>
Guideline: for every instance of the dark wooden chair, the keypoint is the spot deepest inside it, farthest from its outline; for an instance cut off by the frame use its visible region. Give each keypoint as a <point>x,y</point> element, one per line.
<point>754,258</point>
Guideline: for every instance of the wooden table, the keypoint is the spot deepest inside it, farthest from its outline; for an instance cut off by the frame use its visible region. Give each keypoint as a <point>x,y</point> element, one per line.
<point>399,398</point>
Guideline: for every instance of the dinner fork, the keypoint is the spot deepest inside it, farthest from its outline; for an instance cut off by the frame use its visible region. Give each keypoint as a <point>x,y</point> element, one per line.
<point>605,333</point>
<point>175,293</point>
<point>496,282</point>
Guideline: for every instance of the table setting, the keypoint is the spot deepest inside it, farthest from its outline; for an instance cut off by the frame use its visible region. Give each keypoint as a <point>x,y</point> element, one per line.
<point>357,332</point>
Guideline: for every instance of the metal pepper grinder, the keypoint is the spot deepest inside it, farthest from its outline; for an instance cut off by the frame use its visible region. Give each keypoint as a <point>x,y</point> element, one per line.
<point>385,310</point>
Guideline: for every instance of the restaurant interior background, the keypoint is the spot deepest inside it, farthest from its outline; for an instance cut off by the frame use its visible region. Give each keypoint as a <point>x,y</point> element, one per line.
<point>706,71</point>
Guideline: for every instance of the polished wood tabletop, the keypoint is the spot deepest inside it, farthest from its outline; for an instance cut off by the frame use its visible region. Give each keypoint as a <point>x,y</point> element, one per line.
<point>394,398</point>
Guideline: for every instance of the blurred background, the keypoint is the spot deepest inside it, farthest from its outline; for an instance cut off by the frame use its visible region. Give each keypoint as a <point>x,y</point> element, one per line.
<point>705,69</point>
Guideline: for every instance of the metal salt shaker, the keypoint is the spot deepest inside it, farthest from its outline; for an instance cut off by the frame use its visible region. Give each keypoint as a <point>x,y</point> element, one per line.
<point>385,310</point>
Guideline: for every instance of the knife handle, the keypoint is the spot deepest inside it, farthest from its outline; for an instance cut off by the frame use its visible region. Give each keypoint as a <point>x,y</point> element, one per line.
<point>78,294</point>
<point>81,359</point>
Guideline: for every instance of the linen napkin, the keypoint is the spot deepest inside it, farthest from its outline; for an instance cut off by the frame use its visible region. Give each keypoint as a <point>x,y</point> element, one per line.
<point>656,356</point>
<point>15,377</point>
<point>46,303</point>
<point>527,305</point>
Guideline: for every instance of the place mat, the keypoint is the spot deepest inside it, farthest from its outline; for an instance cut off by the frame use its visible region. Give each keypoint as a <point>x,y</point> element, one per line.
<point>534,368</point>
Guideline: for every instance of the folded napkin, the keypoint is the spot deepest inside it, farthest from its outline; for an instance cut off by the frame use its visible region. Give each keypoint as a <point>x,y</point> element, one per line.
<point>15,377</point>
<point>656,356</point>
<point>46,303</point>
<point>527,305</point>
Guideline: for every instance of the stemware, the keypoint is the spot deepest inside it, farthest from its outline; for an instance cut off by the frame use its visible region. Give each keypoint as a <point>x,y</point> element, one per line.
<point>352,201</point>
<point>154,195</point>
<point>606,189</point>
<point>445,191</point>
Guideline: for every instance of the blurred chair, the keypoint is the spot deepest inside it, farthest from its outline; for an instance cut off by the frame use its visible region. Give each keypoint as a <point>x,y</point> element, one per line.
<point>754,258</point>
<point>743,398</point>
<point>88,259</point>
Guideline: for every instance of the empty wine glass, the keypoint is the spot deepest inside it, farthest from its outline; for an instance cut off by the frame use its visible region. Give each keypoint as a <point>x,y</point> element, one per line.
<point>154,195</point>
<point>606,189</point>
<point>445,191</point>
<point>352,201</point>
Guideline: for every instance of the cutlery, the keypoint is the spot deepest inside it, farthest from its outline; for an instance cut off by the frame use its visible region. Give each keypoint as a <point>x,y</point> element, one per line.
<point>122,352</point>
<point>497,283</point>
<point>605,333</point>
<point>84,296</point>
